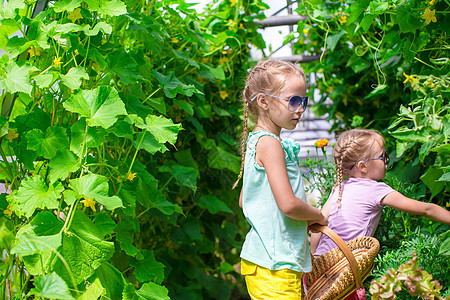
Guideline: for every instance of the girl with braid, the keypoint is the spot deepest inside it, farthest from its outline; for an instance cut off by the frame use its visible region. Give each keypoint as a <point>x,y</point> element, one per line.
<point>356,202</point>
<point>276,250</point>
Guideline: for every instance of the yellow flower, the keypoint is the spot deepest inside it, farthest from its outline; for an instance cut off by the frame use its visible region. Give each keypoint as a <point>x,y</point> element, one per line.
<point>57,62</point>
<point>428,15</point>
<point>321,143</point>
<point>223,94</point>
<point>448,204</point>
<point>88,202</point>
<point>343,19</point>
<point>7,211</point>
<point>76,52</point>
<point>432,2</point>
<point>34,51</point>
<point>131,176</point>
<point>233,2</point>
<point>175,40</point>
<point>409,79</point>
<point>305,31</point>
<point>12,134</point>
<point>75,15</point>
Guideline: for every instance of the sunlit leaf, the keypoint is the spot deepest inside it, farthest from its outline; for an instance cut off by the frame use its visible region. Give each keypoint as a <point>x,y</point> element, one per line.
<point>152,291</point>
<point>164,130</point>
<point>54,139</point>
<point>33,194</point>
<point>100,106</point>
<point>95,187</point>
<point>64,163</point>
<point>83,248</point>
<point>15,78</point>
<point>50,286</point>
<point>73,78</point>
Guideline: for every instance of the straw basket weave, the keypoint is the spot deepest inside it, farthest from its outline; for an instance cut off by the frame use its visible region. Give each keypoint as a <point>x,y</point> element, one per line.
<point>340,271</point>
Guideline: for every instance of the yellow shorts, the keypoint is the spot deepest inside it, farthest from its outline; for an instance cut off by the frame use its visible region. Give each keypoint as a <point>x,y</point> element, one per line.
<point>266,284</point>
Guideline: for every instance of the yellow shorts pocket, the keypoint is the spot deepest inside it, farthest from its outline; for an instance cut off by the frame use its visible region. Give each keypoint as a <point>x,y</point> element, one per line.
<point>247,268</point>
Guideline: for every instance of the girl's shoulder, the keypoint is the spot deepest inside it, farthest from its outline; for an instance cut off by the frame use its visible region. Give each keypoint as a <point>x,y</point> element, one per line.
<point>254,137</point>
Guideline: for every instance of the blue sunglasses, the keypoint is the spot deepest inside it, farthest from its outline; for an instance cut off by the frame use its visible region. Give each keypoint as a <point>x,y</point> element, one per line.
<point>294,102</point>
<point>384,157</point>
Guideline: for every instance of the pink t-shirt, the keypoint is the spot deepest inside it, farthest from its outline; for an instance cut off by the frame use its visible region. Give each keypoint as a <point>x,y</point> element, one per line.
<point>360,211</point>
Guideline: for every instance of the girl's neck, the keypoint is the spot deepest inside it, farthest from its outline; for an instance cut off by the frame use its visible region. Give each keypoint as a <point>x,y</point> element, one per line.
<point>264,127</point>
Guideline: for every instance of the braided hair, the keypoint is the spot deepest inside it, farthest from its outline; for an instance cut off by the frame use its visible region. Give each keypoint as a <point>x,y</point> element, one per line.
<point>267,77</point>
<point>351,147</point>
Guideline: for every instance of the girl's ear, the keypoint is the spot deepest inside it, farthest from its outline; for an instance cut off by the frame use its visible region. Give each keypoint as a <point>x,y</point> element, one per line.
<point>362,166</point>
<point>262,102</point>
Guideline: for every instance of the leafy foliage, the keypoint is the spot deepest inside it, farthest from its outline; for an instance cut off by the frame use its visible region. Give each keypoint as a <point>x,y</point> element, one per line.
<point>118,146</point>
<point>417,282</point>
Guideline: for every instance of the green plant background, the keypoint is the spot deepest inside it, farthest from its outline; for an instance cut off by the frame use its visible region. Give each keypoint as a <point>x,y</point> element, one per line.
<point>121,122</point>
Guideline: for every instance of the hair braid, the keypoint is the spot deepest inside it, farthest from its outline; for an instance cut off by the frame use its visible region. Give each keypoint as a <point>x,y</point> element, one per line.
<point>244,138</point>
<point>339,156</point>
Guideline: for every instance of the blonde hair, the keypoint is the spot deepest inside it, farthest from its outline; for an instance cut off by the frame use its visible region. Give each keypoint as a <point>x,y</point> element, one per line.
<point>267,77</point>
<point>351,147</point>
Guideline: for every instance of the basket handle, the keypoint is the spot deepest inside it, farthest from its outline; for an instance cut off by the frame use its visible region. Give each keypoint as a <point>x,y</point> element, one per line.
<point>345,249</point>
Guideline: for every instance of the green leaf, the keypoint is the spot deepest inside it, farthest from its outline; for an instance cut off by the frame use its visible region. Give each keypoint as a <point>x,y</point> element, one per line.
<point>73,78</point>
<point>47,145</point>
<point>95,187</point>
<point>64,163</point>
<point>333,39</point>
<point>184,56</point>
<point>125,236</point>
<point>406,19</point>
<point>15,78</point>
<point>442,149</point>
<point>45,80</point>
<point>100,26</point>
<point>83,137</point>
<point>191,227</point>
<point>45,223</point>
<point>4,126</point>
<point>104,224</point>
<point>66,5</point>
<point>185,176</point>
<point>164,130</point>
<point>32,194</point>
<point>444,249</point>
<point>123,65</point>
<point>50,286</point>
<point>431,177</point>
<point>110,8</point>
<point>173,86</point>
<point>152,291</point>
<point>445,177</point>
<point>213,204</point>
<point>100,106</point>
<point>147,268</point>
<point>83,248</point>
<point>94,291</point>
<point>149,143</point>
<point>218,158</point>
<point>378,8</point>
<point>111,279</point>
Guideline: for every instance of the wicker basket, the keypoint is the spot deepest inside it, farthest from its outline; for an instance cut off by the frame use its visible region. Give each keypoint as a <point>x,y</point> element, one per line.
<point>340,271</point>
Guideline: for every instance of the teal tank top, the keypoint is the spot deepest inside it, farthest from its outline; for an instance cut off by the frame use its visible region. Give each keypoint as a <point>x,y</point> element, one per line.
<point>274,241</point>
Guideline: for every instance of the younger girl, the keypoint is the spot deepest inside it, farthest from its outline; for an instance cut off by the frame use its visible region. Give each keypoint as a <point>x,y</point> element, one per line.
<point>275,251</point>
<point>354,206</point>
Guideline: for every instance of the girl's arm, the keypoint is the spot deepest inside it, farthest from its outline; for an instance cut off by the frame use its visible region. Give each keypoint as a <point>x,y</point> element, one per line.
<point>315,236</point>
<point>240,200</point>
<point>271,156</point>
<point>430,210</point>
